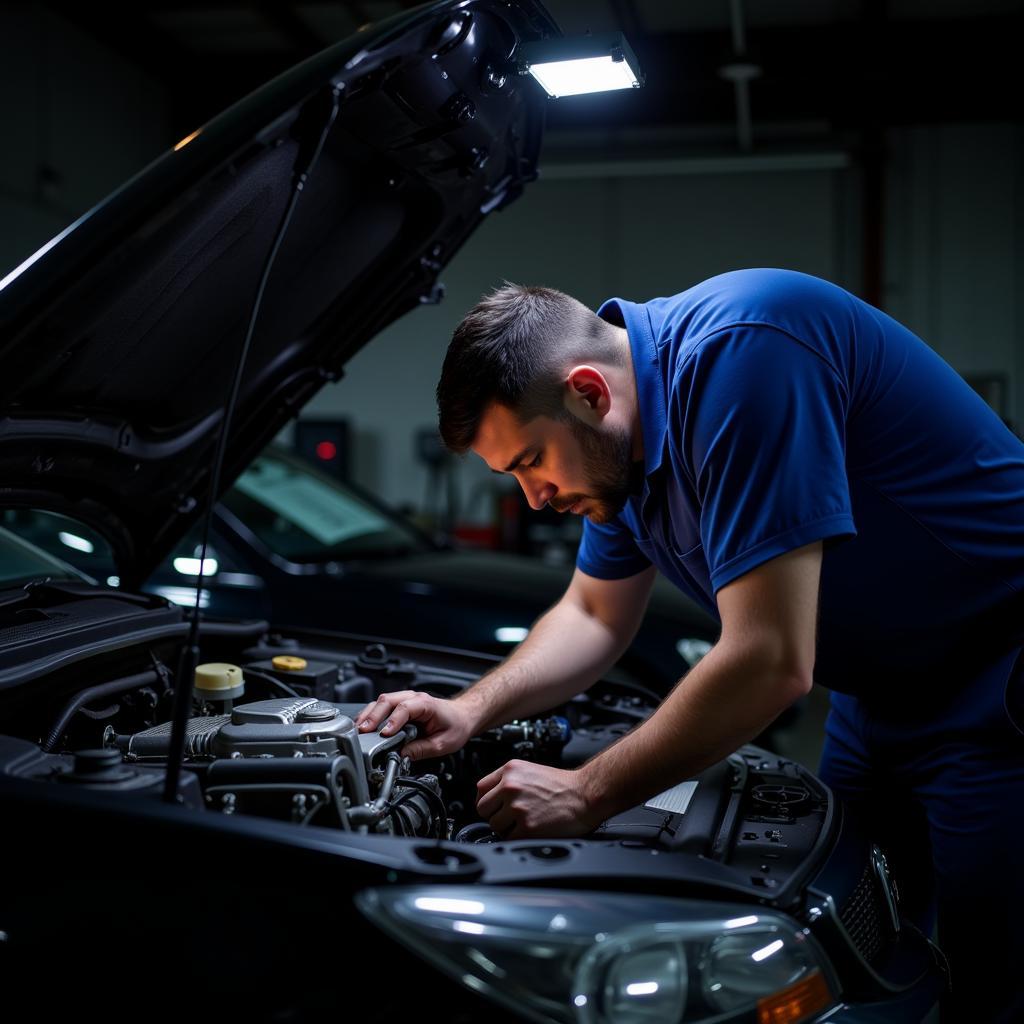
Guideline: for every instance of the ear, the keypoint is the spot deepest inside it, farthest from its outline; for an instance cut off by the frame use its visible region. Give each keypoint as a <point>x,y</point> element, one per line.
<point>588,395</point>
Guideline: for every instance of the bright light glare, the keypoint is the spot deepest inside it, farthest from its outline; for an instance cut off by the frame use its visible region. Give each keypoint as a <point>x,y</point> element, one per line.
<point>449,906</point>
<point>190,566</point>
<point>113,581</point>
<point>587,74</point>
<point>642,988</point>
<point>763,954</point>
<point>488,965</point>
<point>580,1001</point>
<point>185,596</point>
<point>72,540</point>
<point>510,634</point>
<point>185,141</point>
<point>469,927</point>
<point>740,922</point>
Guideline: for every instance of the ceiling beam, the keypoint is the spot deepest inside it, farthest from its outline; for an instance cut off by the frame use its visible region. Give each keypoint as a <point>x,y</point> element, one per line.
<point>913,71</point>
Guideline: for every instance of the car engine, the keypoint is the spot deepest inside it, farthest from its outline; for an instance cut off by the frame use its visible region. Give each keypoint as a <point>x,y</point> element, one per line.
<point>274,736</point>
<point>87,696</point>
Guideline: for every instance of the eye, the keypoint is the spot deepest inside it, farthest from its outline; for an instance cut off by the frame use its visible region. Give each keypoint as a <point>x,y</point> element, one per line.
<point>536,461</point>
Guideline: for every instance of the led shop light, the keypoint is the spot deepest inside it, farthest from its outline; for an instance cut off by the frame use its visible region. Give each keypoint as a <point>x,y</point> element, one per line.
<point>569,67</point>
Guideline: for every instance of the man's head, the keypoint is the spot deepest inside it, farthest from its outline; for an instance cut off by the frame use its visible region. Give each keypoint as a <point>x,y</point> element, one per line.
<point>539,386</point>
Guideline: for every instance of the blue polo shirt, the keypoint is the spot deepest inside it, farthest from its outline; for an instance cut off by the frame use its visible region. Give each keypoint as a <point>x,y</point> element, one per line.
<point>778,409</point>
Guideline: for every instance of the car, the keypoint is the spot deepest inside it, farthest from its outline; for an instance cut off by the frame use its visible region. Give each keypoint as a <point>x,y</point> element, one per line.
<point>298,547</point>
<point>192,823</point>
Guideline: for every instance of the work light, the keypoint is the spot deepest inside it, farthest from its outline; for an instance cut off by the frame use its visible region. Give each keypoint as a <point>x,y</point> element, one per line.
<point>575,65</point>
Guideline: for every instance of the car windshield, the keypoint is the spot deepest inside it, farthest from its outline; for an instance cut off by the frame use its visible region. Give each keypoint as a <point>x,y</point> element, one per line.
<point>305,516</point>
<point>21,562</point>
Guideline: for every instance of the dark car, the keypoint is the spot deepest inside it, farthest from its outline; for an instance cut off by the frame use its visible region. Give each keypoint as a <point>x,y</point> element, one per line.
<point>298,547</point>
<point>192,824</point>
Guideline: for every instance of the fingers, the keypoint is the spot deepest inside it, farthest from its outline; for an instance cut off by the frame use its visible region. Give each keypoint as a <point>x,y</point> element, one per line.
<point>377,711</point>
<point>490,796</point>
<point>500,812</point>
<point>488,782</point>
<point>417,708</point>
<point>443,727</point>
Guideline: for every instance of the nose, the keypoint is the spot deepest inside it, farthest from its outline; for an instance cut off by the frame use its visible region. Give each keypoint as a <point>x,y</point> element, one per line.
<point>538,495</point>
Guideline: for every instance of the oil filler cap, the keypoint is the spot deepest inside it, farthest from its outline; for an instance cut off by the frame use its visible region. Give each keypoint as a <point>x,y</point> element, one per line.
<point>317,713</point>
<point>217,680</point>
<point>288,663</point>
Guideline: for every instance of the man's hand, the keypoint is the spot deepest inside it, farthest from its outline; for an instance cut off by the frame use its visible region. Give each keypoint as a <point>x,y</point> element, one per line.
<point>525,799</point>
<point>445,725</point>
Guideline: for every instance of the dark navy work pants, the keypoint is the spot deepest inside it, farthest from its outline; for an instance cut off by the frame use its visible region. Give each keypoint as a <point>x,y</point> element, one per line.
<point>939,783</point>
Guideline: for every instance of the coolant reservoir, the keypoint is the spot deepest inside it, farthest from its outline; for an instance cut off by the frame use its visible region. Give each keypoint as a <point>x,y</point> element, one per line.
<point>217,680</point>
<point>317,678</point>
<point>289,663</point>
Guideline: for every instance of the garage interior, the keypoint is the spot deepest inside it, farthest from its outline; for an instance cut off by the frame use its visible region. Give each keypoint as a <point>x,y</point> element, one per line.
<point>875,144</point>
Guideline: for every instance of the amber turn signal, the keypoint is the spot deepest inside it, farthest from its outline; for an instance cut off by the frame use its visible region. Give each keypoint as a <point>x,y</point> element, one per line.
<point>795,1003</point>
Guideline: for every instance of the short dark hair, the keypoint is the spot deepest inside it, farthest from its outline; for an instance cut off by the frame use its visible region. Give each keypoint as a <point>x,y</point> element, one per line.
<point>513,347</point>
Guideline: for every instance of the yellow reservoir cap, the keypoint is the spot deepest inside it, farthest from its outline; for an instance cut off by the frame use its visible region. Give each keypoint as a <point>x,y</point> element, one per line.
<point>216,677</point>
<point>288,663</point>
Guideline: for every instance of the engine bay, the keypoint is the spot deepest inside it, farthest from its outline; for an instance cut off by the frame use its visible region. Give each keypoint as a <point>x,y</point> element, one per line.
<point>272,759</point>
<point>271,735</point>
<point>278,740</point>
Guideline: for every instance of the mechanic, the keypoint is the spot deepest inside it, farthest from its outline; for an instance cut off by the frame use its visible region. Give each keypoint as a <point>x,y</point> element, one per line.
<point>852,512</point>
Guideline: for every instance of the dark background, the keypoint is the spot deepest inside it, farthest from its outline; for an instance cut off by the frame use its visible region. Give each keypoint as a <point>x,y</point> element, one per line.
<point>879,145</point>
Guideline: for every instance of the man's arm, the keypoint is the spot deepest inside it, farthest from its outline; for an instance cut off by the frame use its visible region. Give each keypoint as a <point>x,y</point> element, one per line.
<point>761,664</point>
<point>568,649</point>
<point>573,644</point>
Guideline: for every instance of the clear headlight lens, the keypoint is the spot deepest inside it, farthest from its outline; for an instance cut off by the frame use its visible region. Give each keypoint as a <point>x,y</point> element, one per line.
<point>597,958</point>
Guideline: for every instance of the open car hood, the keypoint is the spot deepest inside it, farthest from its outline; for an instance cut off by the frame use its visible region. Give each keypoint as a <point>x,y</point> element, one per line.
<point>119,339</point>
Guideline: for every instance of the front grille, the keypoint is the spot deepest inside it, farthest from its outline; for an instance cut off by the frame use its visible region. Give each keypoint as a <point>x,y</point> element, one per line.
<point>865,917</point>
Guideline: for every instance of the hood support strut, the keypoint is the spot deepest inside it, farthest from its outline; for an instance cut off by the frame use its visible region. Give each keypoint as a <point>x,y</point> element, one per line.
<point>307,158</point>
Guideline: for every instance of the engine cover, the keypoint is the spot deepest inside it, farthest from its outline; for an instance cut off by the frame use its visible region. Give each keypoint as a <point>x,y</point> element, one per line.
<point>284,727</point>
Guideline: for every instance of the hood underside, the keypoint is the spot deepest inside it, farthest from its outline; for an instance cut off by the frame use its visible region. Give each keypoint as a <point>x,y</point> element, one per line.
<point>119,340</point>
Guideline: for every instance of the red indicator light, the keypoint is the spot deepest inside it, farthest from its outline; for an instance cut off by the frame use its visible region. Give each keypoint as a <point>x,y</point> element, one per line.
<point>326,450</point>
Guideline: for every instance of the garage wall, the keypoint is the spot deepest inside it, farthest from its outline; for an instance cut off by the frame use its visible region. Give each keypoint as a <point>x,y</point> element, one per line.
<point>78,121</point>
<point>956,247</point>
<point>954,268</point>
<point>632,237</point>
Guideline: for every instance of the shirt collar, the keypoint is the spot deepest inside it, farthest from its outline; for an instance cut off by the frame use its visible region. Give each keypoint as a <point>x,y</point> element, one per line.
<point>650,385</point>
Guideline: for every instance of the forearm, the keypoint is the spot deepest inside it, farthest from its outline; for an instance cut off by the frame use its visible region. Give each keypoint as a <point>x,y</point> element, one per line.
<point>726,700</point>
<point>567,649</point>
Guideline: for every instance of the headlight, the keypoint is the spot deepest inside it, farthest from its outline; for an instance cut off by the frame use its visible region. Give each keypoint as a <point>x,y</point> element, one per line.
<point>596,958</point>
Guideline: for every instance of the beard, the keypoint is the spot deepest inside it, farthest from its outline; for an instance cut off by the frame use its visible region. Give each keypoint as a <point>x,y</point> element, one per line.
<point>607,468</point>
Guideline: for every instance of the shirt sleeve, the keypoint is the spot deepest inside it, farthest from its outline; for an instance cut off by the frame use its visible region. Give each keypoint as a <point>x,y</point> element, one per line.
<point>609,551</point>
<point>764,430</point>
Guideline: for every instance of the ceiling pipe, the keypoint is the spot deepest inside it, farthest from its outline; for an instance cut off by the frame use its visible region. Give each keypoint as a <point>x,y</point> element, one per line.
<point>740,72</point>
<point>658,167</point>
<point>873,155</point>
